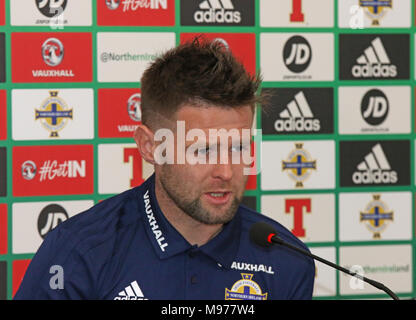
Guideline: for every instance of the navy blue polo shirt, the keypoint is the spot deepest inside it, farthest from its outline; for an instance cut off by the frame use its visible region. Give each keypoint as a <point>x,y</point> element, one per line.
<point>125,249</point>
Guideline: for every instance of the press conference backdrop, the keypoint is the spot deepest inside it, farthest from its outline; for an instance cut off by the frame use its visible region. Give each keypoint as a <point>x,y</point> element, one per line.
<point>337,152</point>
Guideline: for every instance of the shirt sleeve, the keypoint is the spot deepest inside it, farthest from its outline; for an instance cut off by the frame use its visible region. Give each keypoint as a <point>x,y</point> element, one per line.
<point>303,288</point>
<point>57,271</point>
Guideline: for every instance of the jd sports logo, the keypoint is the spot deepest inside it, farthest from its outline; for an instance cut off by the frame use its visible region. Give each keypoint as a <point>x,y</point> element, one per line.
<point>374,107</point>
<point>297,54</point>
<point>374,57</point>
<point>372,163</point>
<point>51,8</point>
<point>298,111</point>
<point>50,217</point>
<point>217,12</point>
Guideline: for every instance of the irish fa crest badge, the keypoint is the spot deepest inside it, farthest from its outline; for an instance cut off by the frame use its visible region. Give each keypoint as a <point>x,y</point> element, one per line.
<point>376,9</point>
<point>245,289</point>
<point>299,165</point>
<point>54,114</point>
<point>376,216</point>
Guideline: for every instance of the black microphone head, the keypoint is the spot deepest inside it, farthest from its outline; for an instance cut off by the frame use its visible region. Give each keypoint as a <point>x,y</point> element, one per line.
<point>260,233</point>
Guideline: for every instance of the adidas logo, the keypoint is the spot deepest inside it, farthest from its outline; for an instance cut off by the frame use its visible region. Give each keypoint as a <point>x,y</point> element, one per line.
<point>212,11</point>
<point>131,292</point>
<point>297,117</point>
<point>375,169</point>
<point>374,63</point>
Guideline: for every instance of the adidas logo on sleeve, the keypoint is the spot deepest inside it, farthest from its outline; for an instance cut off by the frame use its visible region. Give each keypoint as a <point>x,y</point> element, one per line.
<point>131,292</point>
<point>375,169</point>
<point>297,117</point>
<point>374,62</point>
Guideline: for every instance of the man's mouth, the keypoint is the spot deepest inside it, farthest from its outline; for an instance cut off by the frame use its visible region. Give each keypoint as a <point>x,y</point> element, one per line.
<point>218,197</point>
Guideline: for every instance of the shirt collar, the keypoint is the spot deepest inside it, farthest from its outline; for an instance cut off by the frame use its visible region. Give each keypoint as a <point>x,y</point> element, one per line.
<point>167,241</point>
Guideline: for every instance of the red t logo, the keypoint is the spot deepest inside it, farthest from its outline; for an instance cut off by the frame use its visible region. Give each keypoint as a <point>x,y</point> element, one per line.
<point>296,15</point>
<point>137,176</point>
<point>298,205</point>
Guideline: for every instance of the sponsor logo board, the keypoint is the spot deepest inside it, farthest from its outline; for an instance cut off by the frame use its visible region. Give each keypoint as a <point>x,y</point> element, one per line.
<point>375,216</point>
<point>55,14</point>
<point>374,56</point>
<point>53,170</point>
<point>119,112</point>
<point>39,114</point>
<point>374,110</point>
<point>297,13</point>
<point>310,217</point>
<point>123,56</point>
<point>33,220</point>
<point>297,57</point>
<point>288,165</point>
<point>120,167</point>
<point>388,264</point>
<point>374,163</point>
<point>54,57</point>
<point>136,13</point>
<point>374,14</point>
<point>298,111</point>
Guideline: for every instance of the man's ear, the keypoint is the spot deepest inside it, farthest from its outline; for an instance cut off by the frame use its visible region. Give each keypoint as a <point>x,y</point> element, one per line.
<point>144,138</point>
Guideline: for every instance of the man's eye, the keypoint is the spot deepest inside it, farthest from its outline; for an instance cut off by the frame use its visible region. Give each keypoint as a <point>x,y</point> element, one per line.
<point>240,148</point>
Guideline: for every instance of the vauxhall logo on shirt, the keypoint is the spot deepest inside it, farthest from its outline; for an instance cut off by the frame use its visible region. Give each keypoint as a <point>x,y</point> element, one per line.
<point>161,241</point>
<point>217,12</point>
<point>299,111</point>
<point>374,57</point>
<point>374,163</point>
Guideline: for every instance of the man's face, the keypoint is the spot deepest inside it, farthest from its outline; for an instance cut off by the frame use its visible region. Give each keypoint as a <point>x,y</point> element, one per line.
<point>211,192</point>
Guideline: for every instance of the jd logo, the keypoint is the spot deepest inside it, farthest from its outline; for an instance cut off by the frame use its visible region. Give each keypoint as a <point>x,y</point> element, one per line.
<point>50,217</point>
<point>297,54</point>
<point>51,8</point>
<point>374,107</point>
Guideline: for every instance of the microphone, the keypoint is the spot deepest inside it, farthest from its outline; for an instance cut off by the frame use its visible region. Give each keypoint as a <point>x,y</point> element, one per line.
<point>264,235</point>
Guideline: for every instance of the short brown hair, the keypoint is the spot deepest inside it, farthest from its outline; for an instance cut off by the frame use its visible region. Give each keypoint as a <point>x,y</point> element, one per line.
<point>194,72</point>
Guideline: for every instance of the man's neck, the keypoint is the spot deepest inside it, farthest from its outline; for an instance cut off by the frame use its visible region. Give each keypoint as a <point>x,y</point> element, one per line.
<point>195,232</point>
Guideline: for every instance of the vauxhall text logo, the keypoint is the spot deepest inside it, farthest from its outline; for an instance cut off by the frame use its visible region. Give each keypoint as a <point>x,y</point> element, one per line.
<point>374,57</point>
<point>217,12</point>
<point>375,163</point>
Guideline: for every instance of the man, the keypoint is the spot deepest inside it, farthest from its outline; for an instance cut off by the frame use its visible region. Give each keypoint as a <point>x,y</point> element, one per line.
<point>182,234</point>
